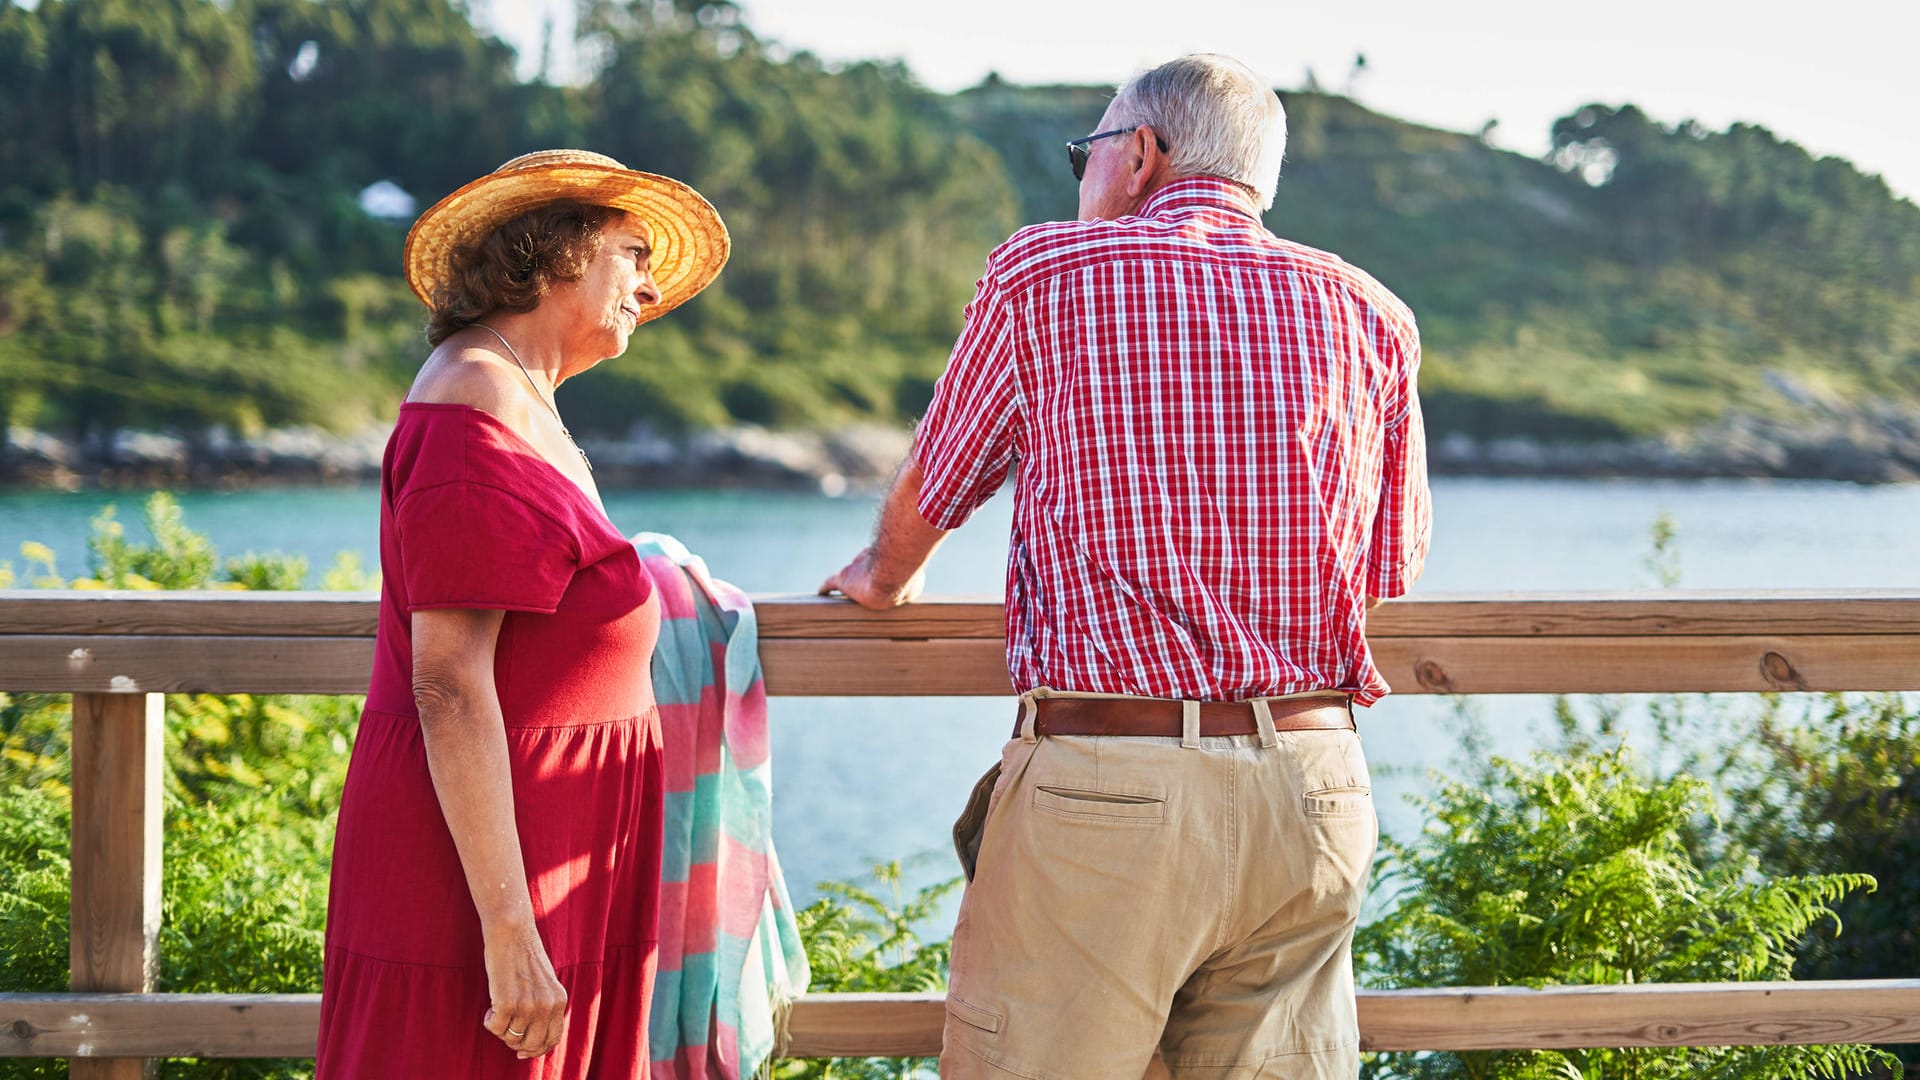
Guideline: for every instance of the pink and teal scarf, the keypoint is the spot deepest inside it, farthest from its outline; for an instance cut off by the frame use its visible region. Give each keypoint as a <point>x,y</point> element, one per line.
<point>730,952</point>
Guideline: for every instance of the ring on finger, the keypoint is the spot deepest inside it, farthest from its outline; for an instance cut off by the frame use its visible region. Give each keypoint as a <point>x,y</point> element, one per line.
<point>516,1034</point>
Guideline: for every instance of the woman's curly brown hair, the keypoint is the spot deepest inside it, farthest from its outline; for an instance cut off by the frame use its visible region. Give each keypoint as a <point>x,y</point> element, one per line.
<point>516,264</point>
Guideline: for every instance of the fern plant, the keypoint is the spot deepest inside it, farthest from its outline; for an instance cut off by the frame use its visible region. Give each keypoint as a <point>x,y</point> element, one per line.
<point>861,942</point>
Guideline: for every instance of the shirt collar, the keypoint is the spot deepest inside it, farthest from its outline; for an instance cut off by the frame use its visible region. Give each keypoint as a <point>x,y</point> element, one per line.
<point>1192,192</point>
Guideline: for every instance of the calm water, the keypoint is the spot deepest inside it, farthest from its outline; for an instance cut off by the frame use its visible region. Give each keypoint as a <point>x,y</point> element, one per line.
<point>861,780</point>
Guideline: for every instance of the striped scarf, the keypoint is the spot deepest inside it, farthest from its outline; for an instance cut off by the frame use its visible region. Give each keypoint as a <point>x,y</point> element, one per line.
<point>730,952</point>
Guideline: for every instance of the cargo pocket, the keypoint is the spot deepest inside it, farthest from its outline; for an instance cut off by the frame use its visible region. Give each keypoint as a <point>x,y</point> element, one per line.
<point>973,1015</point>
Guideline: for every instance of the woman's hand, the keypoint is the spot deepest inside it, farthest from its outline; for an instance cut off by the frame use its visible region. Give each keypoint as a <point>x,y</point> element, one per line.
<point>529,1010</point>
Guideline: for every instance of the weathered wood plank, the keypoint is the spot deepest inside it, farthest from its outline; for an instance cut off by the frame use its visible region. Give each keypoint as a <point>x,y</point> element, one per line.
<point>846,1025</point>
<point>177,664</point>
<point>118,741</point>
<point>159,1025</point>
<point>1588,665</point>
<point>1663,613</point>
<point>976,666</point>
<point>324,614</point>
<point>794,615</point>
<point>1483,1018</point>
<point>832,668</point>
<point>1695,1014</point>
<point>198,613</point>
<point>112,1069</point>
<point>823,1025</point>
<point>117,759</point>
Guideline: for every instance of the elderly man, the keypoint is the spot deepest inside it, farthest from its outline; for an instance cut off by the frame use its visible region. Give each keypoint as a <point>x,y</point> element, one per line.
<point>1219,469</point>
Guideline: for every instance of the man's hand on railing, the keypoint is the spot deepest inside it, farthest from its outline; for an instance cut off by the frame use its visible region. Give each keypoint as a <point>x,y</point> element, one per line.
<point>858,583</point>
<point>892,570</point>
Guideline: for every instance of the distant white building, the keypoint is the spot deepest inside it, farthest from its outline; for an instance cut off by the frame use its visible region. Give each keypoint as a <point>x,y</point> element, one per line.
<point>385,200</point>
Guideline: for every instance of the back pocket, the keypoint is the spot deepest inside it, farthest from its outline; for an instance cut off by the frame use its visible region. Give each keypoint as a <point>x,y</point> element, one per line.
<point>1100,805</point>
<point>1338,801</point>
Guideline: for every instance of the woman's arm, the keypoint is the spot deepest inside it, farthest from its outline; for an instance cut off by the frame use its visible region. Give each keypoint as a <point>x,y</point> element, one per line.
<point>466,745</point>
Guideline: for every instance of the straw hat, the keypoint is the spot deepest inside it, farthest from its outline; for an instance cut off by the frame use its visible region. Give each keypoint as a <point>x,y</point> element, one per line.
<point>689,240</point>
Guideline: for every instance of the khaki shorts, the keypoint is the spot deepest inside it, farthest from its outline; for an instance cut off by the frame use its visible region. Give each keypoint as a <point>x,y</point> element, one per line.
<point>1131,894</point>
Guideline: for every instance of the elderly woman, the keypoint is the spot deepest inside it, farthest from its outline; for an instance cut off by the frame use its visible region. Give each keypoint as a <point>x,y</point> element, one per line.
<point>496,870</point>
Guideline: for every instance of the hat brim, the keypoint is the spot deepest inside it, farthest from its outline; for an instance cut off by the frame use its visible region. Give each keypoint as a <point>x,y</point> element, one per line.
<point>689,241</point>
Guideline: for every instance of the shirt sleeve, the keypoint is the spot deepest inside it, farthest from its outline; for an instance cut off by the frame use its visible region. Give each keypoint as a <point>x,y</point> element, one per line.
<point>1403,524</point>
<point>471,545</point>
<point>965,444</point>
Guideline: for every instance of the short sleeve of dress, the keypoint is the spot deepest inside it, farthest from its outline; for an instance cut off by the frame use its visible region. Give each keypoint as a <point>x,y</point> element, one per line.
<point>471,545</point>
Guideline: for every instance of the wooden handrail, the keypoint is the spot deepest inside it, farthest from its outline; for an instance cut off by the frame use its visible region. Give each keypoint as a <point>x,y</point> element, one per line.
<point>322,643</point>
<point>903,1025</point>
<point>118,652</point>
<point>1664,612</point>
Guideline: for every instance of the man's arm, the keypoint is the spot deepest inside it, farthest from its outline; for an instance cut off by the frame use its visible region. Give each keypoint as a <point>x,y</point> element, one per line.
<point>892,570</point>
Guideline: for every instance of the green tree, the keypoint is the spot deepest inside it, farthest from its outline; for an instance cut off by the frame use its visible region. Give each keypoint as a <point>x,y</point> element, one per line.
<point>862,211</point>
<point>122,91</point>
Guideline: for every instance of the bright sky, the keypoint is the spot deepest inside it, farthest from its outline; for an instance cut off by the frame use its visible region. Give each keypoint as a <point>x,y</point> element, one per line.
<point>1836,76</point>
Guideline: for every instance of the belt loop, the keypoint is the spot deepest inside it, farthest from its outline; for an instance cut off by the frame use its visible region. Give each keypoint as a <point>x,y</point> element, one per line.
<point>1029,709</point>
<point>1190,724</point>
<point>1263,720</point>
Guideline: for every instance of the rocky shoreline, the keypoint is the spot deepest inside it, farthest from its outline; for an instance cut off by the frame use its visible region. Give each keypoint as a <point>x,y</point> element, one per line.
<point>1872,448</point>
<point>1877,447</point>
<point>836,462</point>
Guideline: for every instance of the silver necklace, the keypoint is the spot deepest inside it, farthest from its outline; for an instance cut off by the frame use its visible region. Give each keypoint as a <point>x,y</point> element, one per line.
<point>536,392</point>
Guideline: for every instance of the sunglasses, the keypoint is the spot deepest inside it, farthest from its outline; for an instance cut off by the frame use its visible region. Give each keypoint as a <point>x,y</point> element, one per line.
<point>1078,150</point>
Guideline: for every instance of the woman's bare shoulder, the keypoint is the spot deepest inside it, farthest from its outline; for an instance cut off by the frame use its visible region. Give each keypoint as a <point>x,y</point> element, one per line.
<point>471,376</point>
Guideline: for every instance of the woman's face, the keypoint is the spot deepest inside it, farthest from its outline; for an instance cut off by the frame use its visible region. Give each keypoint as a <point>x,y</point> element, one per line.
<point>604,306</point>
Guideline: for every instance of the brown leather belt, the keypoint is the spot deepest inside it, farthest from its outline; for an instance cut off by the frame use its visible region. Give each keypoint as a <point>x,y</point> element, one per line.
<point>1161,716</point>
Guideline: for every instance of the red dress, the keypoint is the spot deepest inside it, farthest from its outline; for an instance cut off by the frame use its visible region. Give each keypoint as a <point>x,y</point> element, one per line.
<point>472,517</point>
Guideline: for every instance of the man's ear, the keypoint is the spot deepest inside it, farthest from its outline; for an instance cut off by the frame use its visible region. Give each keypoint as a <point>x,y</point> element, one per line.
<point>1151,162</point>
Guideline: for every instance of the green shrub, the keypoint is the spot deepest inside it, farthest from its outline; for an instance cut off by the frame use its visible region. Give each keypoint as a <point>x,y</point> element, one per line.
<point>252,786</point>
<point>1575,869</point>
<point>1834,784</point>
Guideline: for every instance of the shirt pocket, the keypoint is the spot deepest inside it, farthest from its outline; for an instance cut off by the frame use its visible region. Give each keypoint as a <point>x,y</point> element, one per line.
<point>1100,806</point>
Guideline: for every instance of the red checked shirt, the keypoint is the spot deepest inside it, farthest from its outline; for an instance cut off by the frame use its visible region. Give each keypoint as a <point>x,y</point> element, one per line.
<point>1219,451</point>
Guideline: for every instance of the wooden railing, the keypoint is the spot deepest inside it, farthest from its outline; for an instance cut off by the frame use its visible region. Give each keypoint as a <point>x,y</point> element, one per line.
<point>118,653</point>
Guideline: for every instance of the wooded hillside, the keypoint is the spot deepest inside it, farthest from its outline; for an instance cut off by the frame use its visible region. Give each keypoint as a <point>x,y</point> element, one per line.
<point>184,239</point>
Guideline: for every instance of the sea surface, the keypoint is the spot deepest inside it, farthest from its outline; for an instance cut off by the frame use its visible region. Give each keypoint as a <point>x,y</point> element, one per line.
<point>861,781</point>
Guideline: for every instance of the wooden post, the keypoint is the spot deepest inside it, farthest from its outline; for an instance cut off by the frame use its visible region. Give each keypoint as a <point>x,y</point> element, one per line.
<point>117,748</point>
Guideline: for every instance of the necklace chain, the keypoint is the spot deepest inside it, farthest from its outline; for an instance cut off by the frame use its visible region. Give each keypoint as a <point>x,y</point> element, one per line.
<point>551,407</point>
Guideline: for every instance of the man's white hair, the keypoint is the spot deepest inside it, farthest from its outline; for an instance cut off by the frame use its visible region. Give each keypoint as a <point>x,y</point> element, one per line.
<point>1216,117</point>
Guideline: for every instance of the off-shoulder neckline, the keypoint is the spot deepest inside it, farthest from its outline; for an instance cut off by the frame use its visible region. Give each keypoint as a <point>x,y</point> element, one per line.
<point>533,451</point>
